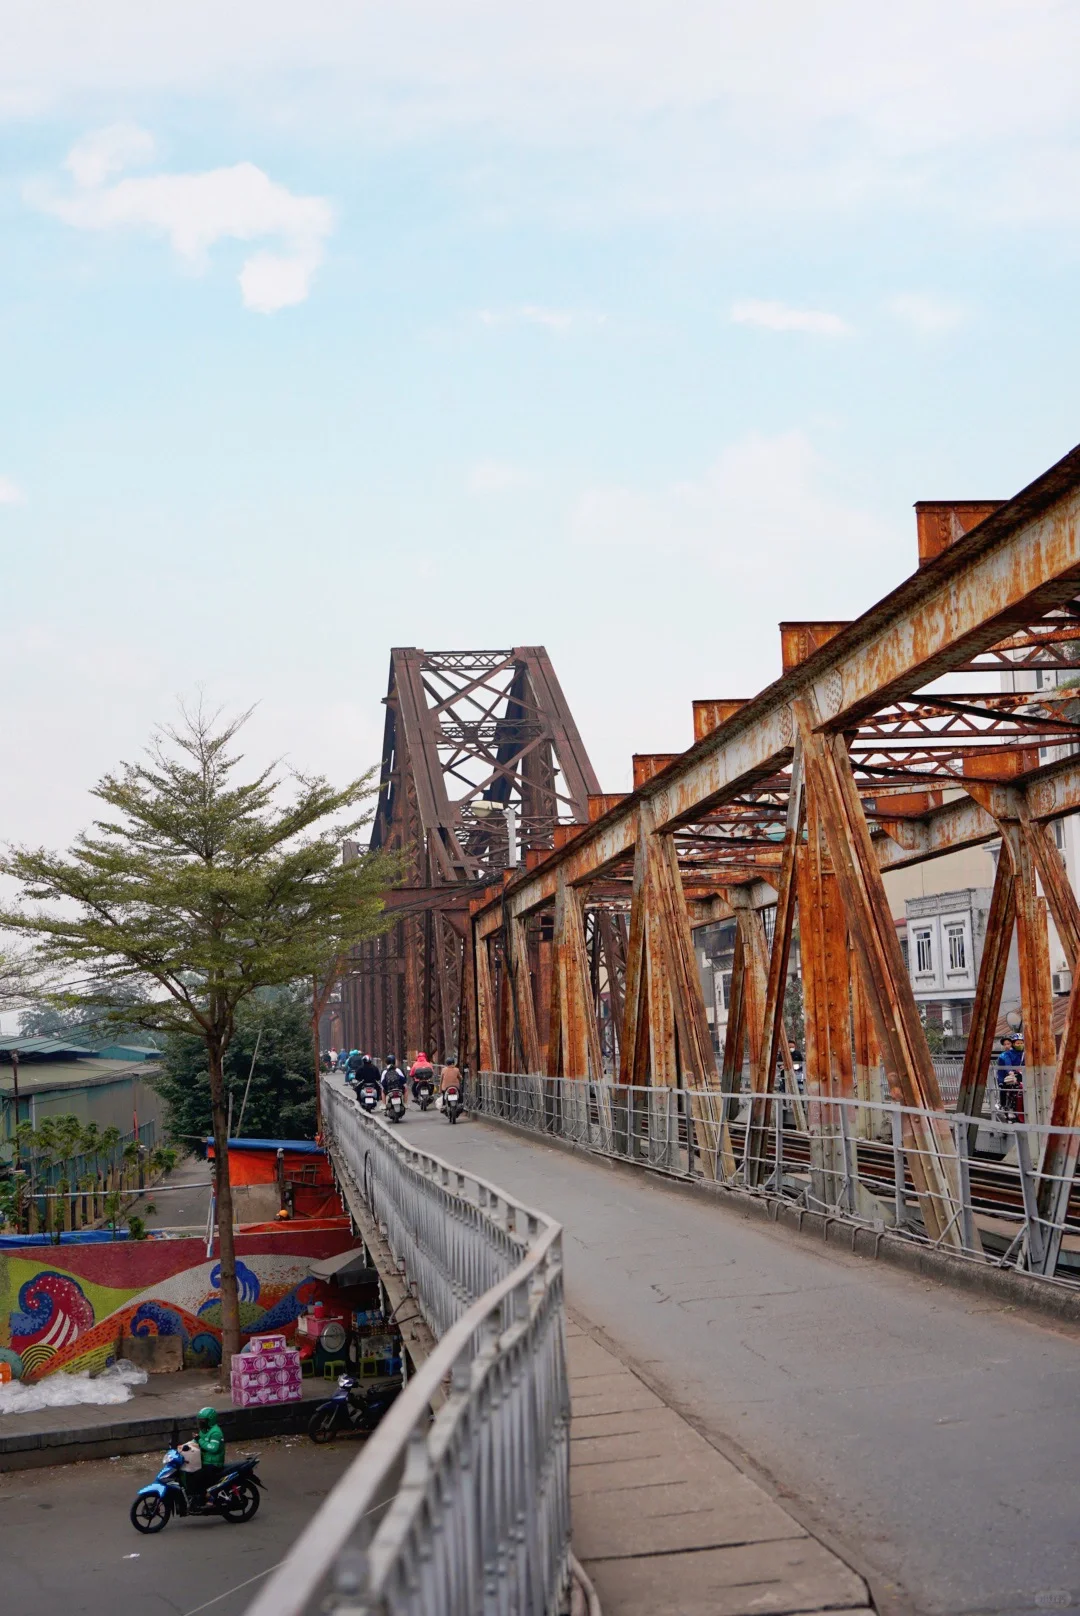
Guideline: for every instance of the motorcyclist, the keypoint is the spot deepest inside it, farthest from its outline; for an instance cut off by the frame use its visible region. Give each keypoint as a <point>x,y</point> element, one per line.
<point>352,1065</point>
<point>450,1078</point>
<point>420,1071</point>
<point>393,1078</point>
<point>211,1440</point>
<point>368,1072</point>
<point>1010,1077</point>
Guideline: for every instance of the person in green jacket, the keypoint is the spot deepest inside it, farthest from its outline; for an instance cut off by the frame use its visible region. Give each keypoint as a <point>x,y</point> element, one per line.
<point>211,1441</point>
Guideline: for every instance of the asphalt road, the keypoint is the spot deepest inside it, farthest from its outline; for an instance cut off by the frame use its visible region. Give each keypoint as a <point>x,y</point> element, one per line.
<point>933,1434</point>
<point>66,1544</point>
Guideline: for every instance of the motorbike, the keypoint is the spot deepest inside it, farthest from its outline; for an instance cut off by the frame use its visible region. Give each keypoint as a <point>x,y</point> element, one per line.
<point>424,1090</point>
<point>369,1096</point>
<point>353,1407</point>
<point>452,1104</point>
<point>235,1497</point>
<point>395,1105</point>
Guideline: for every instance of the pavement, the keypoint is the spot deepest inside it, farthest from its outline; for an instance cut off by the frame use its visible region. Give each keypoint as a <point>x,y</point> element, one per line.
<point>51,1436</point>
<point>68,1545</point>
<point>181,1201</point>
<point>666,1526</point>
<point>930,1437</point>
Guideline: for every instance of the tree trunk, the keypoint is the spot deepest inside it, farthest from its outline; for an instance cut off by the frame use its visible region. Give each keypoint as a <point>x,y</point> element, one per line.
<point>230,1300</point>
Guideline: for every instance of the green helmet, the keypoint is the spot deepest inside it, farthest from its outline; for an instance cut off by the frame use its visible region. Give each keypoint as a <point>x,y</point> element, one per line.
<point>207,1417</point>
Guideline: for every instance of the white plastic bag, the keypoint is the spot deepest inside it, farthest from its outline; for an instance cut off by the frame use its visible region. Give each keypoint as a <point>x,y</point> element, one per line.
<point>112,1385</point>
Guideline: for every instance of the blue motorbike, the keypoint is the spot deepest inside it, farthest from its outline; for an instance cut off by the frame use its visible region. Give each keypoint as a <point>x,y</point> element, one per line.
<point>235,1496</point>
<point>353,1407</point>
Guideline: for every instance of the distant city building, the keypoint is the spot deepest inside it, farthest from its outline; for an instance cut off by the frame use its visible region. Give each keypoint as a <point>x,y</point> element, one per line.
<point>944,945</point>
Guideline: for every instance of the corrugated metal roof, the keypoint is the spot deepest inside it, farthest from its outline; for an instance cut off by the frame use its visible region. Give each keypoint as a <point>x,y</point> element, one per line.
<point>44,1046</point>
<point>39,1076</point>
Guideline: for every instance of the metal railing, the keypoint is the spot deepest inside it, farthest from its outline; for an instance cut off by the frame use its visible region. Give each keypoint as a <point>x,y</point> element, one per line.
<point>468,1512</point>
<point>1012,1197</point>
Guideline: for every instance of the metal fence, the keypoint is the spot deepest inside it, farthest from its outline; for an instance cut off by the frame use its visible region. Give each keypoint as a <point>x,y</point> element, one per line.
<point>1012,1198</point>
<point>468,1512</point>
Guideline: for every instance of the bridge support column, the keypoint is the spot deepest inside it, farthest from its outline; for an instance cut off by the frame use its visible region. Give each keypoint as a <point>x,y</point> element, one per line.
<point>832,793</point>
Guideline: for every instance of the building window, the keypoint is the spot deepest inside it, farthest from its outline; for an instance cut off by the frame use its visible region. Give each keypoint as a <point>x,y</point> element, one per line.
<point>1059,835</point>
<point>957,947</point>
<point>924,953</point>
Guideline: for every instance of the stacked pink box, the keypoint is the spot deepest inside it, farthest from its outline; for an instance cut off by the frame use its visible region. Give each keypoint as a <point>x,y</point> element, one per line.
<point>267,1371</point>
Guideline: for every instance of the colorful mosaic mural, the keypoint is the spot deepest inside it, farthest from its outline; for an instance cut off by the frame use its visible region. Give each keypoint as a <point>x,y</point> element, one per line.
<point>66,1307</point>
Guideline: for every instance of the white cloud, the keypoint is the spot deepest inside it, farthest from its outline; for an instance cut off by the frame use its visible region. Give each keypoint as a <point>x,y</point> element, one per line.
<point>776,100</point>
<point>780,317</point>
<point>11,493</point>
<point>495,477</point>
<point>104,152</point>
<point>762,521</point>
<point>196,211</point>
<point>926,315</point>
<point>558,321</point>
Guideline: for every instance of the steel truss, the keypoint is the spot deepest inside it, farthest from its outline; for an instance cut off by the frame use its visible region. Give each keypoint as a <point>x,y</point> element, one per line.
<point>469,735</point>
<point>867,754</point>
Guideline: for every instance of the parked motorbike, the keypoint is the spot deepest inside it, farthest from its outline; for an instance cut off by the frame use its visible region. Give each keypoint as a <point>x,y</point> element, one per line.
<point>353,1407</point>
<point>425,1093</point>
<point>368,1097</point>
<point>452,1104</point>
<point>235,1497</point>
<point>395,1105</point>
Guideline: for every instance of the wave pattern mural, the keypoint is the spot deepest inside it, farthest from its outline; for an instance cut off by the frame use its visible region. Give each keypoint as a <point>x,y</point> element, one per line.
<point>69,1310</point>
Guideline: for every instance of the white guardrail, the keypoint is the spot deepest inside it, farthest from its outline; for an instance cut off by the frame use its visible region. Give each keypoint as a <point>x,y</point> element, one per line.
<point>856,1161</point>
<point>467,1512</point>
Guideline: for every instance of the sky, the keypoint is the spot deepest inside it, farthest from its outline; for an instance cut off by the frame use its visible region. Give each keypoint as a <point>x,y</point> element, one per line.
<point>626,327</point>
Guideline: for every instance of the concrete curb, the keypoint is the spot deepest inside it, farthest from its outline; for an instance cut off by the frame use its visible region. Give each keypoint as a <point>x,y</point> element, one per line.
<point>32,1450</point>
<point>1006,1285</point>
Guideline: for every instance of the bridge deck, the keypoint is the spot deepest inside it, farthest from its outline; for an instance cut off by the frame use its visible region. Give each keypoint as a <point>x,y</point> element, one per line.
<point>932,1437</point>
<point>663,1522</point>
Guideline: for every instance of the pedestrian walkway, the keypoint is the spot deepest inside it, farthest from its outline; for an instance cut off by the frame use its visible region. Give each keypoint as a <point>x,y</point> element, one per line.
<point>932,1436</point>
<point>663,1523</point>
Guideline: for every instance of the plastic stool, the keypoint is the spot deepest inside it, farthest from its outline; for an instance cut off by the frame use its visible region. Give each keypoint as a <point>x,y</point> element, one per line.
<point>333,1367</point>
<point>307,1368</point>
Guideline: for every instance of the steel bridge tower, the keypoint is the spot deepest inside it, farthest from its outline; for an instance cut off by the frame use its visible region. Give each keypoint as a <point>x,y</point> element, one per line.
<point>481,762</point>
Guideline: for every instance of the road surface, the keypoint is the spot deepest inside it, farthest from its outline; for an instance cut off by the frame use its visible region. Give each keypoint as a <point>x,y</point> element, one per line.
<point>69,1547</point>
<point>931,1434</point>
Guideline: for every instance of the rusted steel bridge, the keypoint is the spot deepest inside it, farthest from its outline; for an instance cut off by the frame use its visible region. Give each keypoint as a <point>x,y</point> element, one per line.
<point>887,740</point>
<point>482,763</point>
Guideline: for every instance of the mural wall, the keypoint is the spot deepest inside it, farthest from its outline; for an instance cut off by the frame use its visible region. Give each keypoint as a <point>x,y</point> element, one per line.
<point>65,1307</point>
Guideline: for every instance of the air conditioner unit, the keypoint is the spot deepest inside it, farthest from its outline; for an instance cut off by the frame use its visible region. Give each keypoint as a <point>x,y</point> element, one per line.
<point>1061,981</point>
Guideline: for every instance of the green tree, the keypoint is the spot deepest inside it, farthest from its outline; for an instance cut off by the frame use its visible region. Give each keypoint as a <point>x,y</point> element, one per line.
<point>274,1029</point>
<point>200,889</point>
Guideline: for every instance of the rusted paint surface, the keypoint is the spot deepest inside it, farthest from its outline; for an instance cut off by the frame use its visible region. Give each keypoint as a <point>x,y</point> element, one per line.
<point>709,715</point>
<point>831,792</point>
<point>941,523</point>
<point>1000,924</point>
<point>647,765</point>
<point>1036,993</point>
<point>799,641</point>
<point>772,1031</point>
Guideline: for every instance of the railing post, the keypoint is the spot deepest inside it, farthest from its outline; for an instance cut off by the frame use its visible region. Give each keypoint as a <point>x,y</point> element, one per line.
<point>899,1187</point>
<point>778,1151</point>
<point>850,1170</point>
<point>1035,1242</point>
<point>967,1211</point>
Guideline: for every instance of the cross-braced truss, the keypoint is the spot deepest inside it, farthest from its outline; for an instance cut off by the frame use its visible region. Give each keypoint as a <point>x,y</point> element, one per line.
<point>482,763</point>
<point>924,726</point>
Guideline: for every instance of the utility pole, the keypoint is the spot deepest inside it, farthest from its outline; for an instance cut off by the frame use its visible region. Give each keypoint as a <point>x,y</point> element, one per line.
<point>15,1083</point>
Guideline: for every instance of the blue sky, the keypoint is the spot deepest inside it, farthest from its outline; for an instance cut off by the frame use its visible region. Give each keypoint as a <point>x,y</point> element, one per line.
<point>629,330</point>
